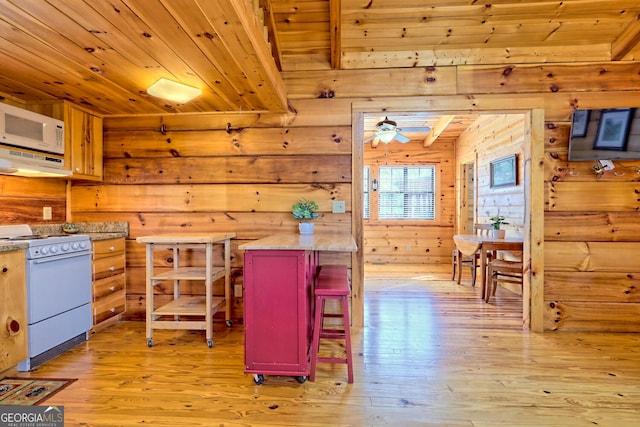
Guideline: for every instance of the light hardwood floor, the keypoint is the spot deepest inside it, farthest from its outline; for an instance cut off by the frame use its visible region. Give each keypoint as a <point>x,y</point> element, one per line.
<point>431,354</point>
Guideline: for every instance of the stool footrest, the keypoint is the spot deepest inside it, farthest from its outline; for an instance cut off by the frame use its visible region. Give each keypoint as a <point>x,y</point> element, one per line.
<point>328,333</point>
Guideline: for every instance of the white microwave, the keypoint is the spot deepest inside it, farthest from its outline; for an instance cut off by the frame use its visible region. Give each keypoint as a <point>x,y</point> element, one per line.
<point>20,128</point>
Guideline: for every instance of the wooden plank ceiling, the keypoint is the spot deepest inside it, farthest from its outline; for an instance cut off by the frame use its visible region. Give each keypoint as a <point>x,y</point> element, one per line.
<point>103,54</point>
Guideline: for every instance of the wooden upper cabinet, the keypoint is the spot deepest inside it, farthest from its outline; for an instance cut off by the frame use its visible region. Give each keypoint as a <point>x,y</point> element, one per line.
<point>83,143</point>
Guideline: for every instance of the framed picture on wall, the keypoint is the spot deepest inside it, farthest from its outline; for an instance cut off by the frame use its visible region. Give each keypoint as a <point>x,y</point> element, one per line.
<point>613,129</point>
<point>580,123</point>
<point>503,172</point>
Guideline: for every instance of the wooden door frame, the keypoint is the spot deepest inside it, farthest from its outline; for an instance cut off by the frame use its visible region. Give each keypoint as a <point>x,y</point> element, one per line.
<point>533,256</point>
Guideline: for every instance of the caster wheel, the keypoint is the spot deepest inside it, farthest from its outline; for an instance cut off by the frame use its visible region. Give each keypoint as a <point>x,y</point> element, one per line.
<point>229,323</point>
<point>149,342</point>
<point>210,343</point>
<point>301,379</point>
<point>258,379</point>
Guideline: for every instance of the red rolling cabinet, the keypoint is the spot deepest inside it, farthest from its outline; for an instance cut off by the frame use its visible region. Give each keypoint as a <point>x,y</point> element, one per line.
<point>278,312</point>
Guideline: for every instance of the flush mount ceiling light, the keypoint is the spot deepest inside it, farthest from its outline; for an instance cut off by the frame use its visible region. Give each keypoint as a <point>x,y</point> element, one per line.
<point>173,91</point>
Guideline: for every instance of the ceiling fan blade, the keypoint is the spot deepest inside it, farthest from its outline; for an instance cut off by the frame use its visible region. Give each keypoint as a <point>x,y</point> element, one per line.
<point>422,129</point>
<point>371,138</point>
<point>401,138</point>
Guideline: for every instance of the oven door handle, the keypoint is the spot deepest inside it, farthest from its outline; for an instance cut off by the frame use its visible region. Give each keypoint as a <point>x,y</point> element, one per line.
<point>59,257</point>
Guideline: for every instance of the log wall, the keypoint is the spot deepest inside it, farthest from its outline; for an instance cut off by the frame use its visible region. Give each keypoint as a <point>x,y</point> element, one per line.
<point>191,177</point>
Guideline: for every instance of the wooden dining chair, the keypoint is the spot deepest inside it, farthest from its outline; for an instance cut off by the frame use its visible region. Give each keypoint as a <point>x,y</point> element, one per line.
<point>470,261</point>
<point>500,270</point>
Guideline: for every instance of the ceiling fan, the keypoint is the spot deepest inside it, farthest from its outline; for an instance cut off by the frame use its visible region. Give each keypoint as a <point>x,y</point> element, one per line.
<point>388,130</point>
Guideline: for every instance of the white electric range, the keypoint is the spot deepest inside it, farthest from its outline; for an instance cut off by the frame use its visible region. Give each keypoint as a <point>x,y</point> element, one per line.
<point>58,280</point>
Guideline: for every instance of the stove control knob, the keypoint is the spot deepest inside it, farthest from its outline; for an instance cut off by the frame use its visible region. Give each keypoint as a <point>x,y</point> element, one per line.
<point>54,249</point>
<point>74,246</point>
<point>84,244</point>
<point>64,247</point>
<point>44,250</point>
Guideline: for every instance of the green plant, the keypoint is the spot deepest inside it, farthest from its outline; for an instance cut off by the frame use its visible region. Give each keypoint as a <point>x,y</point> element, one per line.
<point>305,209</point>
<point>497,221</point>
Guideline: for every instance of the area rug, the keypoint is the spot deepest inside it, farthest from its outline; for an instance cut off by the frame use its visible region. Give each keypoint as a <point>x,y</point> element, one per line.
<point>30,391</point>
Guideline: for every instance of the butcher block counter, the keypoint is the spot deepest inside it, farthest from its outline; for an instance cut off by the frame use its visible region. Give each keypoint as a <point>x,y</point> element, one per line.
<point>279,278</point>
<point>187,310</point>
<point>338,242</point>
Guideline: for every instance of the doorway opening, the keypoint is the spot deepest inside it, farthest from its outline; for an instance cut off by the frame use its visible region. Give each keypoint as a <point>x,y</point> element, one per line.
<point>463,176</point>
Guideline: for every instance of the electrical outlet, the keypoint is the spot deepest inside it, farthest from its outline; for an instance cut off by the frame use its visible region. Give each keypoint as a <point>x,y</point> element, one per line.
<point>46,212</point>
<point>338,206</point>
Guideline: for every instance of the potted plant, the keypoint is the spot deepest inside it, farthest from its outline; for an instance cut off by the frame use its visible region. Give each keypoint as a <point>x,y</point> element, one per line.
<point>305,211</point>
<point>496,222</point>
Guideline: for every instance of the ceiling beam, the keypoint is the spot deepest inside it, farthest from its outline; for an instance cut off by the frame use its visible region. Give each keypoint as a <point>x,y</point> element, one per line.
<point>626,41</point>
<point>440,126</point>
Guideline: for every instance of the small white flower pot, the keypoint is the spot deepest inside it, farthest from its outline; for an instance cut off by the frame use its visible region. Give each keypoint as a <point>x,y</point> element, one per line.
<point>498,234</point>
<point>306,227</point>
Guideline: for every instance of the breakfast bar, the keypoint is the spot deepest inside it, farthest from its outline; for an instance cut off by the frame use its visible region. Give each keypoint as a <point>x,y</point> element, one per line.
<point>279,277</point>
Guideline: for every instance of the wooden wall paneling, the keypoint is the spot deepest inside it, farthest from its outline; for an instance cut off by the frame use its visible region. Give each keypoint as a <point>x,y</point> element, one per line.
<point>246,225</point>
<point>361,83</point>
<point>592,226</point>
<point>285,141</point>
<point>22,200</point>
<point>534,78</point>
<point>205,197</point>
<point>212,170</point>
<point>591,316</point>
<point>592,256</point>
<point>590,286</point>
<point>594,196</point>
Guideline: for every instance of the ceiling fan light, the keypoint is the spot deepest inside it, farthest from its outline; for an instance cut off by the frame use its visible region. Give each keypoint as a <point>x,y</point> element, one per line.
<point>173,91</point>
<point>386,136</point>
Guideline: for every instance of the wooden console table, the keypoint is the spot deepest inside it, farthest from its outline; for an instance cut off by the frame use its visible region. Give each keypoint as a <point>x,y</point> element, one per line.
<point>182,307</point>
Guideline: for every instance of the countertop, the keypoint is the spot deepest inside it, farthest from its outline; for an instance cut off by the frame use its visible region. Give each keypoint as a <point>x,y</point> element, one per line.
<point>177,238</point>
<point>12,246</point>
<point>95,231</point>
<point>318,241</point>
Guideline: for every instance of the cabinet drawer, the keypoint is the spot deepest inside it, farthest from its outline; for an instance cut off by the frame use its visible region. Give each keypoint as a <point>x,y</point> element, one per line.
<point>106,248</point>
<point>105,287</point>
<point>110,266</point>
<point>109,307</point>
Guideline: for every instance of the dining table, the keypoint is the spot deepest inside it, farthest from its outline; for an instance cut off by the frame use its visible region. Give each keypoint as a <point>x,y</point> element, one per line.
<point>469,244</point>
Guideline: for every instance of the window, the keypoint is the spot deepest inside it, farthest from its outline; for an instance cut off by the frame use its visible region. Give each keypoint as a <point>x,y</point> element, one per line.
<point>406,192</point>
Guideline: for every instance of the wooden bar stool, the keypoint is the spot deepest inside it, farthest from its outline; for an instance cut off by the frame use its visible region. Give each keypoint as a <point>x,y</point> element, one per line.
<point>331,284</point>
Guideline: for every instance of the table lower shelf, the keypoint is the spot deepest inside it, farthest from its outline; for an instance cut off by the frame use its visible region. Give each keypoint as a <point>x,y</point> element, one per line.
<point>188,306</point>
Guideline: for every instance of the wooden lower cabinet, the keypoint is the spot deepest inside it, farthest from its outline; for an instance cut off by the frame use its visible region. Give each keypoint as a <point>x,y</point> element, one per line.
<point>13,309</point>
<point>109,282</point>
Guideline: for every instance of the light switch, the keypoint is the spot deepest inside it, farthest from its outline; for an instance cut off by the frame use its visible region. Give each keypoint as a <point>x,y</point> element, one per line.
<point>338,206</point>
<point>46,212</point>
